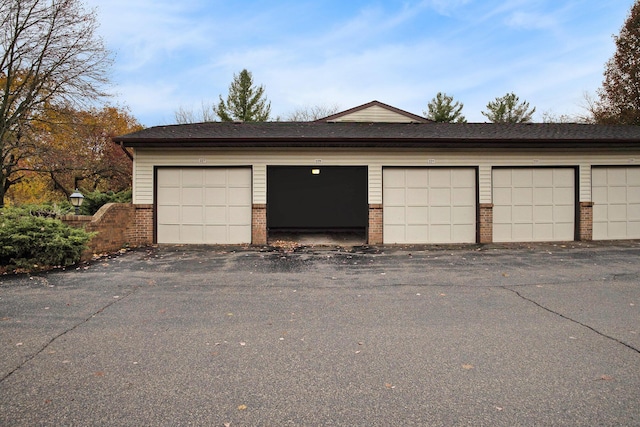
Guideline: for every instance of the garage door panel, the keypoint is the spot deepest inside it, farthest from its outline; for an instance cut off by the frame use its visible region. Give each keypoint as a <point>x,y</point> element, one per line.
<point>413,178</point>
<point>617,195</point>
<point>394,178</point>
<point>169,215</point>
<point>521,214</point>
<point>543,178</point>
<point>441,215</point>
<point>418,232</point>
<point>523,232</point>
<point>502,214</point>
<point>440,178</point>
<point>501,195</point>
<point>463,197</point>
<point>239,196</point>
<point>464,215</point>
<point>417,214</point>
<point>439,197</point>
<point>191,233</point>
<point>193,195</point>
<point>617,177</point>
<point>394,233</point>
<point>215,215</point>
<point>193,205</point>
<point>616,202</point>
<point>192,215</point>
<point>438,205</point>
<point>542,195</point>
<point>169,178</point>
<point>523,196</point>
<point>395,196</point>
<point>416,196</point>
<point>522,178</point>
<point>238,215</point>
<point>192,178</point>
<point>541,207</point>
<point>563,177</point>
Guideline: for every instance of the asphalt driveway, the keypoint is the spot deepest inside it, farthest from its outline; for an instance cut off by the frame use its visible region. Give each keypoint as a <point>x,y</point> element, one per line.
<point>525,335</point>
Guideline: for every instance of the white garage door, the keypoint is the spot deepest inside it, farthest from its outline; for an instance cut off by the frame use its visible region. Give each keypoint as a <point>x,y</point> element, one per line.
<point>616,202</point>
<point>429,205</point>
<point>533,204</point>
<point>204,205</point>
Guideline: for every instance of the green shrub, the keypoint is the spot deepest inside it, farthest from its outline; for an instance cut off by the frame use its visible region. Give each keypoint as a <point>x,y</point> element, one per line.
<point>96,199</point>
<point>32,242</point>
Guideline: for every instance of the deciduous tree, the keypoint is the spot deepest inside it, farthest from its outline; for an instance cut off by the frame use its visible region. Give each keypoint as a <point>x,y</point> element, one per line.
<point>442,108</point>
<point>75,149</point>
<point>509,109</point>
<point>619,96</point>
<point>50,56</point>
<point>245,102</point>
<point>311,113</point>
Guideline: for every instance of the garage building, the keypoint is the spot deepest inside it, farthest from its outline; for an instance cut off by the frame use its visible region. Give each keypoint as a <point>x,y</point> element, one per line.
<point>393,176</point>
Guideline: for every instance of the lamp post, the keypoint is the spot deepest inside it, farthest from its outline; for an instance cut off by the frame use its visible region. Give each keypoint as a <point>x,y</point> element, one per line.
<point>76,200</point>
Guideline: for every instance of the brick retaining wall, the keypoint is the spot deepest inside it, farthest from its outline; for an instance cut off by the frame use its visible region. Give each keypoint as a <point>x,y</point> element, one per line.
<point>117,225</point>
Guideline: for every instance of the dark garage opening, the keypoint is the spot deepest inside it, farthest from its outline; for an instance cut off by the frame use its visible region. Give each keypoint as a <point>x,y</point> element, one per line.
<point>317,199</point>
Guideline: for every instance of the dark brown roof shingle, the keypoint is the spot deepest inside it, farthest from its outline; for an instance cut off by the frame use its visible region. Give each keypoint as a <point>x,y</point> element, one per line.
<point>322,134</point>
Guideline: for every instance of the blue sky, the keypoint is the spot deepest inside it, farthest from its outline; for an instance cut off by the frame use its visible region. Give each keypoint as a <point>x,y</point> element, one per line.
<point>172,54</point>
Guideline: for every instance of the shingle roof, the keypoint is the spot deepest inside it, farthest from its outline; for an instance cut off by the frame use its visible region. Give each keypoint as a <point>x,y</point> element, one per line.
<point>394,135</point>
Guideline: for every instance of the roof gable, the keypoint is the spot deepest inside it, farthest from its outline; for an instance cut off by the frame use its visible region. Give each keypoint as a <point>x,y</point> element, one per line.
<point>375,112</point>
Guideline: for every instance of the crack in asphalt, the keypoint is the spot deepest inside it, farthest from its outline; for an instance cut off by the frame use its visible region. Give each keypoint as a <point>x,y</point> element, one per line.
<point>29,358</point>
<point>584,325</point>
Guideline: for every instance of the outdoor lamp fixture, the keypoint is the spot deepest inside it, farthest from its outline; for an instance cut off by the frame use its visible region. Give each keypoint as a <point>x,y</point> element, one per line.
<point>315,171</point>
<point>76,200</point>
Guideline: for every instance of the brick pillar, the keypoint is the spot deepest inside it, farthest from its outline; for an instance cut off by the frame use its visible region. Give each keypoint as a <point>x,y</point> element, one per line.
<point>374,230</point>
<point>486,223</point>
<point>142,232</point>
<point>586,221</point>
<point>259,224</point>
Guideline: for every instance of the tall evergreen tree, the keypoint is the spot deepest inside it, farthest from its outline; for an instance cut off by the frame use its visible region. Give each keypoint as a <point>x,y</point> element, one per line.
<point>619,96</point>
<point>509,109</point>
<point>245,102</point>
<point>443,109</point>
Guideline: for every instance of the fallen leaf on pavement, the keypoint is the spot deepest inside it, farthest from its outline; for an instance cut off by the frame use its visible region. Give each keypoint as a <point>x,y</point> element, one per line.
<point>467,367</point>
<point>242,408</point>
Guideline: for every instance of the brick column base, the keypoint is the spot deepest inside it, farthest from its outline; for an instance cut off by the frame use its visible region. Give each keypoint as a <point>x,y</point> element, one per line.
<point>374,230</point>
<point>259,224</point>
<point>586,221</point>
<point>485,234</point>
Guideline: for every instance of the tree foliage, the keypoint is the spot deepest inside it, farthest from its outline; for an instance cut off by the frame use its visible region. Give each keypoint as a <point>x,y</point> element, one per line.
<point>50,56</point>
<point>245,102</point>
<point>619,96</point>
<point>186,115</point>
<point>442,108</point>
<point>311,113</point>
<point>509,109</point>
<point>75,149</point>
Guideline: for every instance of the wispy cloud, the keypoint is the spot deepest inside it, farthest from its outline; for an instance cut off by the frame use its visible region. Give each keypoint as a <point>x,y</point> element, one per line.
<point>173,54</point>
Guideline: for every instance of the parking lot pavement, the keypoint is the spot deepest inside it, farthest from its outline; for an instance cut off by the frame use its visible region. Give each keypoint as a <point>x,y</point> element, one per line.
<point>525,335</point>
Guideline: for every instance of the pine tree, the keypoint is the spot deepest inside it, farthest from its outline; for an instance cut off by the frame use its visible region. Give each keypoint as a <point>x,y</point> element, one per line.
<point>245,102</point>
<point>509,109</point>
<point>443,109</point>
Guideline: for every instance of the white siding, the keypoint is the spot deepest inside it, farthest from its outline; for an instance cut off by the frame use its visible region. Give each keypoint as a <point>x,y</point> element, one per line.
<point>145,160</point>
<point>375,113</point>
